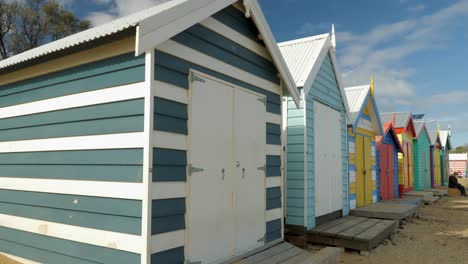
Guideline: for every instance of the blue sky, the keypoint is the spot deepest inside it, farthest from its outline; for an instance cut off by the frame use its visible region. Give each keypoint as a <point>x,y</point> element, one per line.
<point>417,50</point>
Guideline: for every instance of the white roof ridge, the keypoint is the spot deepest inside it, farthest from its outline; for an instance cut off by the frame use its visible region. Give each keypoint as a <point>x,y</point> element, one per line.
<point>357,87</point>
<point>303,40</point>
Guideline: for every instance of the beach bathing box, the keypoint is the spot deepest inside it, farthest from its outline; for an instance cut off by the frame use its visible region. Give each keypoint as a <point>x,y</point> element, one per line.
<point>316,152</point>
<point>365,126</point>
<point>446,144</point>
<point>155,138</point>
<point>436,146</point>
<point>403,125</point>
<point>388,146</point>
<point>422,157</point>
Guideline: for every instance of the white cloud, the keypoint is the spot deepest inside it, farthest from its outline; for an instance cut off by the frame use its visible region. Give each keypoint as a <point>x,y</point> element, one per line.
<point>416,8</point>
<point>382,50</point>
<point>119,8</point>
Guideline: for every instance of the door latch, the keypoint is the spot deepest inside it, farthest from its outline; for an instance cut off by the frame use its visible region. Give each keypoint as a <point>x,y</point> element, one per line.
<point>262,168</point>
<point>192,169</point>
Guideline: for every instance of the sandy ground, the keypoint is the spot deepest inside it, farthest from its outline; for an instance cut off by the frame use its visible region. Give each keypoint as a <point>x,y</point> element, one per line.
<point>438,235</point>
<point>5,260</point>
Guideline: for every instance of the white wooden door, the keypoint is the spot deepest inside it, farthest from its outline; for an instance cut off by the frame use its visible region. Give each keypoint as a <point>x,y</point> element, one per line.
<point>210,225</point>
<point>249,173</point>
<point>328,160</point>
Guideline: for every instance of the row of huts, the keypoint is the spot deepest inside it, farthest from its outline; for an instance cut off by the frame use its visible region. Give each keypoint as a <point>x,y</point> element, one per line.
<point>185,134</point>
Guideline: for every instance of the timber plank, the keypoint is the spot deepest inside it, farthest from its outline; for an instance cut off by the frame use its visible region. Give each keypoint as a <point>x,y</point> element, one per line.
<point>342,227</point>
<point>357,229</point>
<point>297,259</point>
<point>266,254</point>
<point>377,233</point>
<point>333,223</point>
<point>285,255</point>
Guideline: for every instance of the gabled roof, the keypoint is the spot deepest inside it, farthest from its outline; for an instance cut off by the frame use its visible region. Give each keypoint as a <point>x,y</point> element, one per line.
<point>434,137</point>
<point>419,127</point>
<point>158,24</point>
<point>445,139</point>
<point>388,128</point>
<point>304,58</point>
<point>358,97</point>
<point>402,121</point>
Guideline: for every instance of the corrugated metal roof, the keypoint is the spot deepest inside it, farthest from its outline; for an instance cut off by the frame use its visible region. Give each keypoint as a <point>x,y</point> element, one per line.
<point>401,119</point>
<point>356,97</point>
<point>433,136</point>
<point>418,126</point>
<point>104,30</point>
<point>458,156</point>
<point>301,55</point>
<point>443,137</point>
<point>387,117</point>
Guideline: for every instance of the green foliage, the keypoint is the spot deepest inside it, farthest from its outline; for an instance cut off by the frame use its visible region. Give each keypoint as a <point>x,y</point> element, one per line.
<point>28,24</point>
<point>461,149</point>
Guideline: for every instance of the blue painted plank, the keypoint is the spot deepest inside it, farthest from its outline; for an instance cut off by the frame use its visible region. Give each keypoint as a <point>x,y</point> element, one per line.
<point>94,112</point>
<point>168,215</point>
<point>166,224</point>
<point>77,157</point>
<point>235,19</point>
<point>273,230</point>
<point>216,46</point>
<point>81,128</point>
<point>170,116</point>
<point>169,165</point>
<point>118,173</point>
<point>119,70</point>
<point>121,224</point>
<point>171,256</point>
<point>166,207</point>
<point>100,205</point>
<point>52,250</point>
<point>273,196</point>
<point>273,134</point>
<point>273,164</point>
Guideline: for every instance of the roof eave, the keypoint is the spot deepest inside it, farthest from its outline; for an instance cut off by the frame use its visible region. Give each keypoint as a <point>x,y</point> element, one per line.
<point>287,80</point>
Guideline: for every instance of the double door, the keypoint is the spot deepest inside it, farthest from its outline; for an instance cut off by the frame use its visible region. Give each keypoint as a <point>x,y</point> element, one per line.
<point>226,182</point>
<point>363,171</point>
<point>387,172</point>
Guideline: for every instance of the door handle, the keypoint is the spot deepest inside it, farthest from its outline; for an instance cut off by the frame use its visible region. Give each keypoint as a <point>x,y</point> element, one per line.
<point>223,173</point>
<point>243,173</point>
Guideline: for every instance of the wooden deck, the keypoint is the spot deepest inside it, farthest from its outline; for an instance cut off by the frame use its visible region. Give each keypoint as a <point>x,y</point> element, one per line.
<point>283,253</point>
<point>390,211</point>
<point>353,232</point>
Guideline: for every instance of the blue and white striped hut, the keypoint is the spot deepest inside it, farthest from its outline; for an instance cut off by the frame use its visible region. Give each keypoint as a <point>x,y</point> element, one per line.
<point>152,139</point>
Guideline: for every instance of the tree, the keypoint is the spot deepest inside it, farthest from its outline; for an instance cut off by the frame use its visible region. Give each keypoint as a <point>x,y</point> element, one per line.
<point>461,149</point>
<point>28,24</point>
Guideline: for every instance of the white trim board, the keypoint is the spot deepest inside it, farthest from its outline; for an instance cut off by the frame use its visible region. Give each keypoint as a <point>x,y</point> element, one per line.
<point>119,241</point>
<point>273,182</point>
<point>274,150</point>
<point>170,92</point>
<point>114,94</point>
<point>166,241</point>
<point>168,190</point>
<point>170,140</point>
<point>110,141</point>
<point>274,214</point>
<point>118,190</point>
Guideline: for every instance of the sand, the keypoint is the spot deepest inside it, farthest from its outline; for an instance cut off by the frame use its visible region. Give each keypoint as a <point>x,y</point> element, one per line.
<point>438,235</point>
<point>5,260</point>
